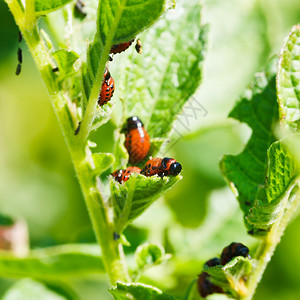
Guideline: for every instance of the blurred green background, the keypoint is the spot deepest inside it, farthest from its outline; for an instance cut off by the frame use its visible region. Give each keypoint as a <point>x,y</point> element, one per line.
<point>199,216</point>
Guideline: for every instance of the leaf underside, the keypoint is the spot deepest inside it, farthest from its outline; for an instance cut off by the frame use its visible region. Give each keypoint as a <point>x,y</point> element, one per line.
<point>137,291</point>
<point>272,198</point>
<point>288,81</point>
<point>133,197</point>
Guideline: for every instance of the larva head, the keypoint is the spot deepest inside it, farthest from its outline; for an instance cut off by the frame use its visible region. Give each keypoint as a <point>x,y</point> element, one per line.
<point>171,165</point>
<point>134,122</point>
<point>175,168</point>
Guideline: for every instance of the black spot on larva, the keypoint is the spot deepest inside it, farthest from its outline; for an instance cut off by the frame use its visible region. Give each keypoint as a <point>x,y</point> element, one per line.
<point>130,136</point>
<point>108,89</point>
<point>107,76</point>
<point>130,141</point>
<point>149,165</point>
<point>153,168</point>
<point>159,168</point>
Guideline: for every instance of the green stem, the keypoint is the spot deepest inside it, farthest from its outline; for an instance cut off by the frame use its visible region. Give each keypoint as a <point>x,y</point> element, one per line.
<point>112,250</point>
<point>103,226</point>
<point>269,243</point>
<point>30,14</point>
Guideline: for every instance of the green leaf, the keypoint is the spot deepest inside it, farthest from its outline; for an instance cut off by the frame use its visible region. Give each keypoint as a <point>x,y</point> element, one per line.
<point>65,60</point>
<point>126,18</point>
<point>102,162</point>
<point>28,289</point>
<point>102,115</point>
<point>272,198</point>
<point>138,291</point>
<point>118,21</point>
<point>98,162</point>
<point>288,80</point>
<point>158,83</point>
<point>44,7</point>
<point>232,277</point>
<point>246,172</point>
<point>149,254</point>
<point>53,263</point>
<point>134,196</point>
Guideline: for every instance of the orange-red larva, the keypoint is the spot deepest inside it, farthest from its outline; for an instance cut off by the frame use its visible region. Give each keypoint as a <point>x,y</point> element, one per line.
<point>107,88</point>
<point>123,175</point>
<point>137,140</point>
<point>161,167</point>
<point>120,47</point>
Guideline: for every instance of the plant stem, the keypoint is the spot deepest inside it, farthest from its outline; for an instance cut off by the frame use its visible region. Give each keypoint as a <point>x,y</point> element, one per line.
<point>104,228</point>
<point>30,13</point>
<point>112,251</point>
<point>269,243</point>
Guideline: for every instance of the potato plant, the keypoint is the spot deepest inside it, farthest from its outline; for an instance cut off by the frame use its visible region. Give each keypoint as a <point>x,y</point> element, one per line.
<point>70,43</point>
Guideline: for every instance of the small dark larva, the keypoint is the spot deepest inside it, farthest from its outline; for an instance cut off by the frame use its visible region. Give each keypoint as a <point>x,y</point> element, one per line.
<point>233,250</point>
<point>206,287</point>
<point>107,88</point>
<point>20,36</point>
<point>116,236</point>
<point>20,57</point>
<point>78,9</point>
<point>18,70</point>
<point>137,141</point>
<point>120,47</point>
<point>123,175</point>
<point>161,167</point>
<point>213,262</point>
<point>138,46</point>
<point>77,129</point>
